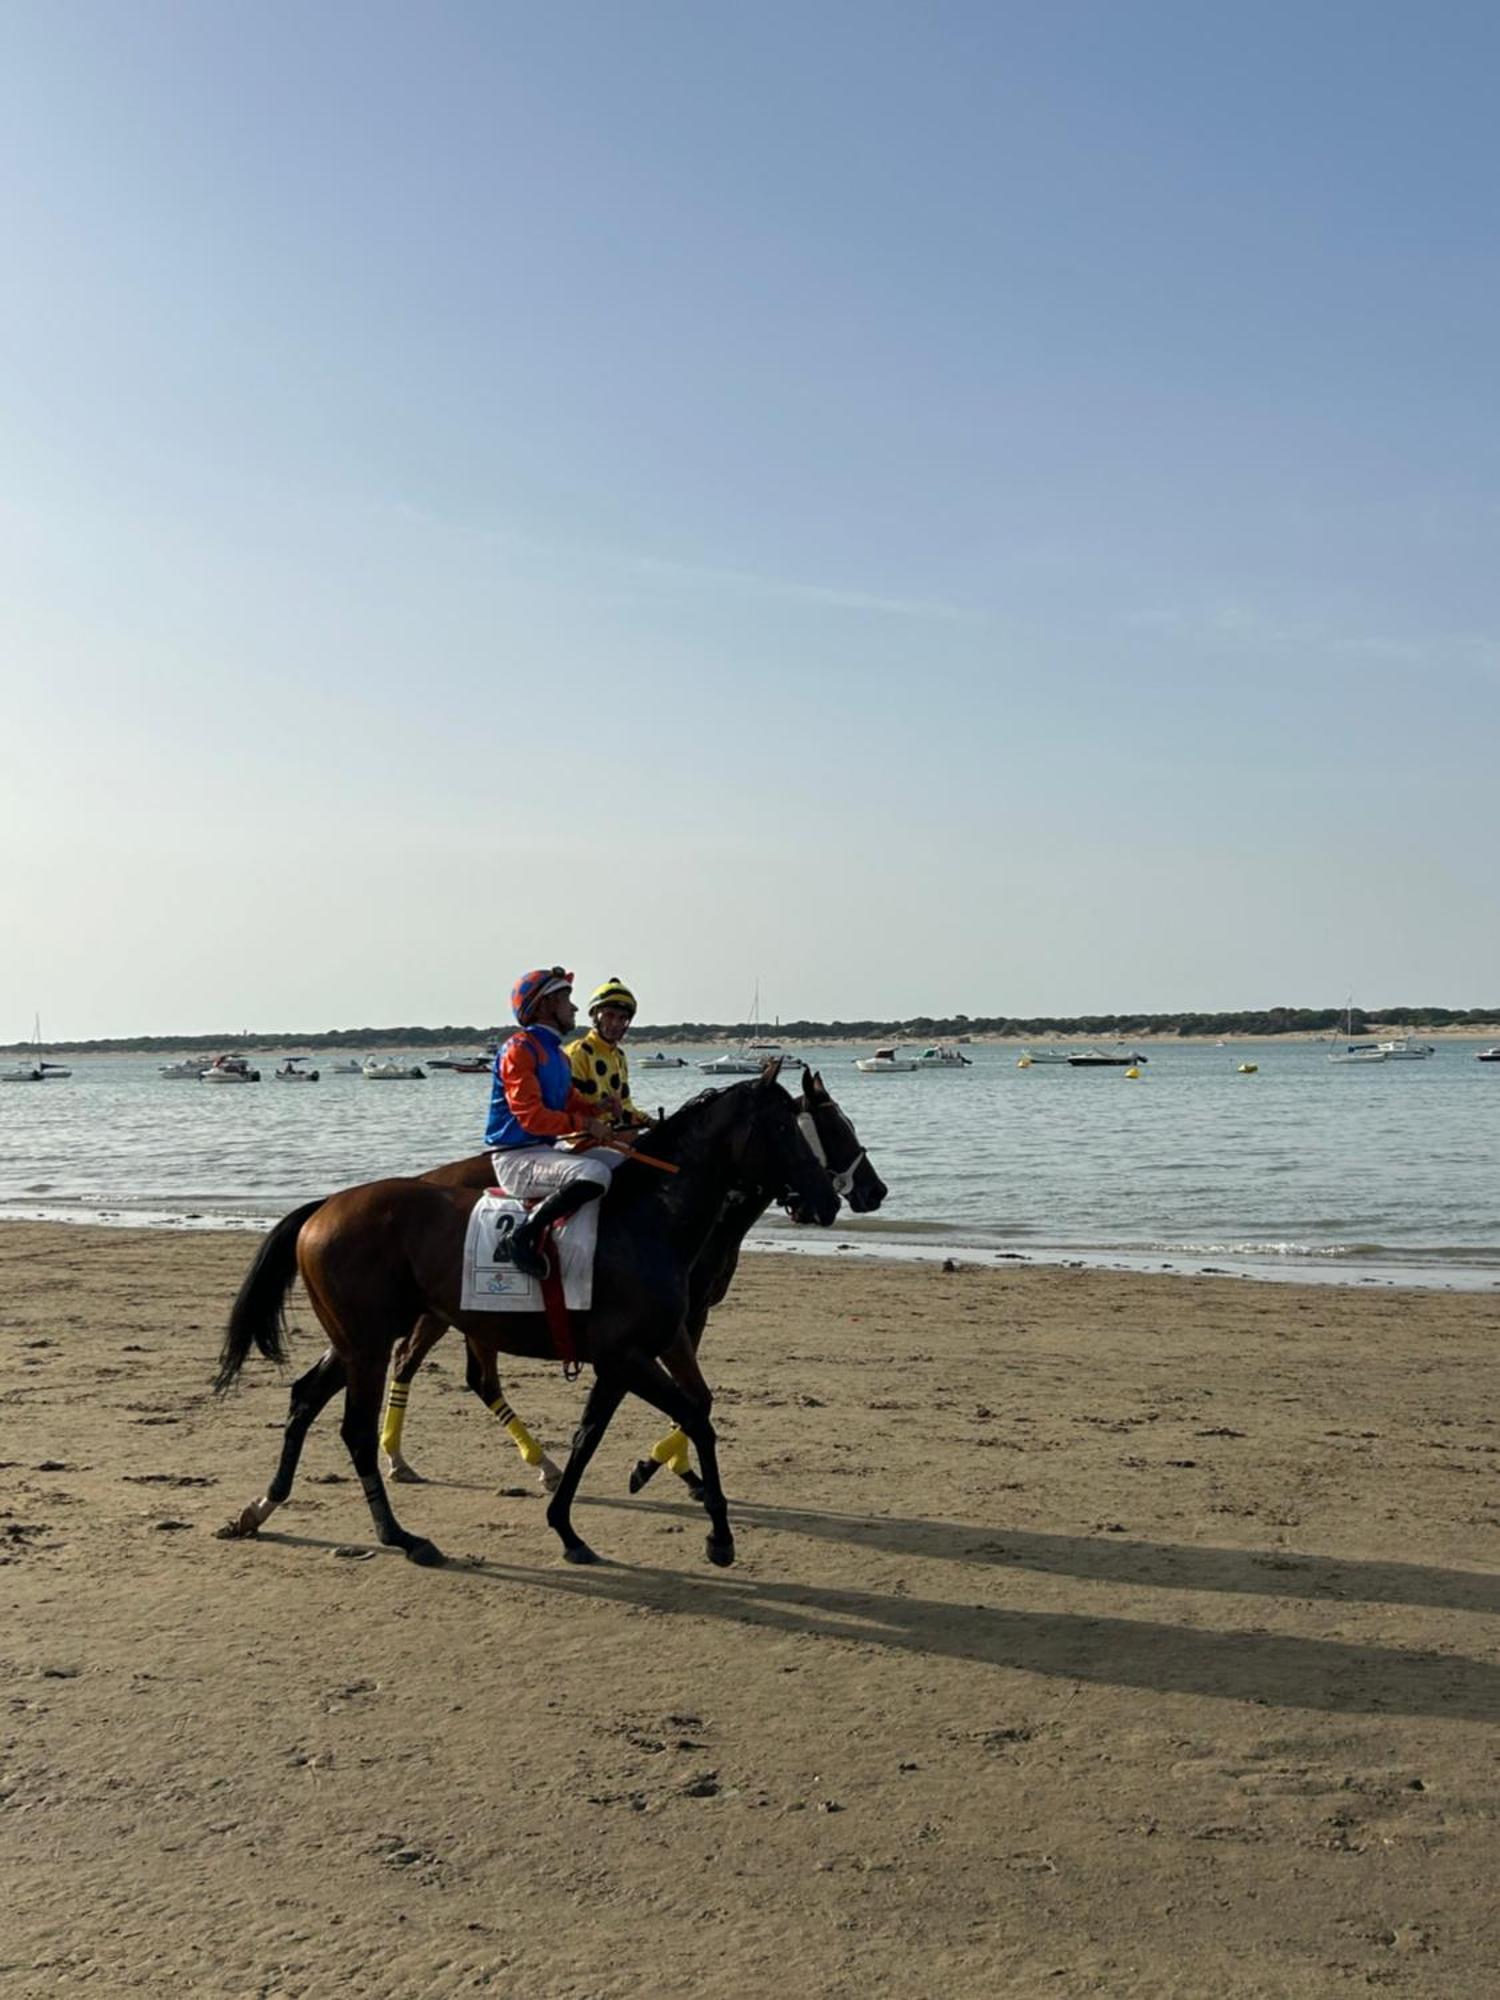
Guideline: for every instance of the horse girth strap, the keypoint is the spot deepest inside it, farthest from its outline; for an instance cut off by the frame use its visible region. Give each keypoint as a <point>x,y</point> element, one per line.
<point>555,1306</point>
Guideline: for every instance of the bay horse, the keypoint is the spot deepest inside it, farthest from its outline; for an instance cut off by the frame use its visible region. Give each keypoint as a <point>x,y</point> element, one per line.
<point>373,1257</point>
<point>835,1143</point>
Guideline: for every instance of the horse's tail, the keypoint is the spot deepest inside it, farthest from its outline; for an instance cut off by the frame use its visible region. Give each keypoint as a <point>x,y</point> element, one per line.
<point>258,1316</point>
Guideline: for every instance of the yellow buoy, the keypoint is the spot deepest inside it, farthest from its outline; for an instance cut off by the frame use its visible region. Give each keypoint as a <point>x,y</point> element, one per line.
<point>1249,1069</point>
<point>1133,1072</point>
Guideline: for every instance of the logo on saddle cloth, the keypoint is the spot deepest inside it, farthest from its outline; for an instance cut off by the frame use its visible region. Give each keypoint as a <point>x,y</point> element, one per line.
<point>491,1282</point>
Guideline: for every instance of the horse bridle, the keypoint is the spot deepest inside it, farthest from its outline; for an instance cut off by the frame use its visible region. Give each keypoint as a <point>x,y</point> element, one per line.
<point>841,1180</point>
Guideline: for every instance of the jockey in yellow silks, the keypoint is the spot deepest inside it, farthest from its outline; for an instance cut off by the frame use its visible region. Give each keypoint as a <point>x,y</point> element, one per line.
<point>601,1070</point>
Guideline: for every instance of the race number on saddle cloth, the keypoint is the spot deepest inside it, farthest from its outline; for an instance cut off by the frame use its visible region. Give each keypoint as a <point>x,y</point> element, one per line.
<point>491,1282</point>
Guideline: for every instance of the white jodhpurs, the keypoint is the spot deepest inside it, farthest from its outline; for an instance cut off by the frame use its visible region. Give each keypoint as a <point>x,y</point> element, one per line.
<point>531,1172</point>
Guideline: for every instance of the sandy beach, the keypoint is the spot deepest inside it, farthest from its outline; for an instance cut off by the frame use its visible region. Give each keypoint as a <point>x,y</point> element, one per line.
<point>1091,1633</point>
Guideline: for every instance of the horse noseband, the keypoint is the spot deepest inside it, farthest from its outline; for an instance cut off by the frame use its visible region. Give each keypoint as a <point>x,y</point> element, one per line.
<point>842,1181</point>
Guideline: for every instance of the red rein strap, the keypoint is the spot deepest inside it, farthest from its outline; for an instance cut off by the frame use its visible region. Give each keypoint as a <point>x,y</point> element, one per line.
<point>555,1306</point>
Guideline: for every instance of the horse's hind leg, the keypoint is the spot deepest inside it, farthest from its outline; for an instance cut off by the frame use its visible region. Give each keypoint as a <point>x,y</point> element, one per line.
<point>409,1356</point>
<point>361,1433</point>
<point>603,1399</point>
<point>672,1452</point>
<point>483,1377</point>
<point>310,1395</point>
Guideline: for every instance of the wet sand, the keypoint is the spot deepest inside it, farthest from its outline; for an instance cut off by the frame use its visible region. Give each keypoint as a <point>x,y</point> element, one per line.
<point>1092,1633</point>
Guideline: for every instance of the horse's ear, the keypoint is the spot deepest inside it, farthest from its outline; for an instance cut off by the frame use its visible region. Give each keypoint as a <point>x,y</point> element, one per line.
<point>813,1083</point>
<point>772,1070</point>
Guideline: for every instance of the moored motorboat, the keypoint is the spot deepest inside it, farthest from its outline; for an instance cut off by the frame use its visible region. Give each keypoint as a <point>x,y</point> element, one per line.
<point>1030,1058</point>
<point>943,1055</point>
<point>295,1070</point>
<point>229,1069</point>
<point>1405,1048</point>
<point>187,1069</point>
<point>1101,1059</point>
<point>382,1069</point>
<point>885,1062</point>
<point>1489,1055</point>
<point>732,1064</point>
<point>662,1061</point>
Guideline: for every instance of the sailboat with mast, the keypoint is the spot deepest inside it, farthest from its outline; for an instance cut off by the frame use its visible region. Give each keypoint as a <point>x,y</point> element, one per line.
<point>35,1068</point>
<point>1352,1051</point>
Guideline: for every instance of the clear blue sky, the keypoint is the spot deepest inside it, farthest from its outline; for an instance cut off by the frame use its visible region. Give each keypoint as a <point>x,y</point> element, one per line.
<point>947,507</point>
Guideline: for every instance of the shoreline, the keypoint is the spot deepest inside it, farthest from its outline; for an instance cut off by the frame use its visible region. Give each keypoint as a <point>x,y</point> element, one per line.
<point>853,1240</point>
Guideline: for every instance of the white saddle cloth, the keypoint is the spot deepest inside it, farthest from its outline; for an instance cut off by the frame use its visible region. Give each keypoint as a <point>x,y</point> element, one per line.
<point>491,1282</point>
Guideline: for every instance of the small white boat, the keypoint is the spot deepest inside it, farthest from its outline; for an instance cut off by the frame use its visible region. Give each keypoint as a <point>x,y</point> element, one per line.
<point>1406,1048</point>
<point>468,1064</point>
<point>733,1065</point>
<point>943,1055</point>
<point>381,1069</point>
<point>189,1068</point>
<point>884,1062</point>
<point>1359,1053</point>
<point>229,1069</point>
<point>23,1072</point>
<point>1029,1058</point>
<point>661,1061</point>
<point>1489,1055</point>
<point>1101,1059</point>
<point>295,1070</point>
<point>346,1067</point>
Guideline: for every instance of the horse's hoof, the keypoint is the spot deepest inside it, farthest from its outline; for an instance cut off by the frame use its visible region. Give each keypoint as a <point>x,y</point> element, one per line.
<point>643,1472</point>
<point>404,1474</point>
<point>550,1475</point>
<point>243,1528</point>
<point>426,1555</point>
<point>720,1553</point>
<point>579,1552</point>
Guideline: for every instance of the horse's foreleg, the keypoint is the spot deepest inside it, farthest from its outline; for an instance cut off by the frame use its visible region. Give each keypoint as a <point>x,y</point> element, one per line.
<point>310,1395</point>
<point>361,1430</point>
<point>647,1379</point>
<point>603,1399</point>
<point>681,1362</point>
<point>409,1356</point>
<point>484,1379</point>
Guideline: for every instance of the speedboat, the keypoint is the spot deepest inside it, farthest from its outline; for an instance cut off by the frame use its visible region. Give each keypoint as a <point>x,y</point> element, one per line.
<point>347,1067</point>
<point>1099,1059</point>
<point>295,1070</point>
<point>1404,1048</point>
<point>467,1065</point>
<point>1359,1053</point>
<point>23,1073</point>
<point>473,1066</point>
<point>943,1055</point>
<point>661,1061</point>
<point>731,1064</point>
<point>190,1067</point>
<point>1028,1058</point>
<point>381,1069</point>
<point>229,1069</point>
<point>1489,1055</point>
<point>885,1062</point>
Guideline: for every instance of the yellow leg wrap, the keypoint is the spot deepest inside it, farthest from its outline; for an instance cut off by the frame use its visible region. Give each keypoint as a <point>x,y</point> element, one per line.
<point>395,1417</point>
<point>672,1452</point>
<point>525,1443</point>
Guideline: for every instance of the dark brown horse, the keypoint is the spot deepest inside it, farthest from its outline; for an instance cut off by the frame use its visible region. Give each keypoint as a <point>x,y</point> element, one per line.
<point>836,1144</point>
<point>375,1257</point>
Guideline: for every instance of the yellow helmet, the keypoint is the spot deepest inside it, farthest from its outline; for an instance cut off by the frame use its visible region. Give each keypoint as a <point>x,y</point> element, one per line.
<point>613,993</point>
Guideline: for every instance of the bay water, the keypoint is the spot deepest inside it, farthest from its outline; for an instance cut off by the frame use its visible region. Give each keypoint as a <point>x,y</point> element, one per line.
<point>1382,1174</point>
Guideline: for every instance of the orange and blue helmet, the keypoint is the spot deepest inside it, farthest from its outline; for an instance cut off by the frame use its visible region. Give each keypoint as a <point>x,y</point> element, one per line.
<point>533,987</point>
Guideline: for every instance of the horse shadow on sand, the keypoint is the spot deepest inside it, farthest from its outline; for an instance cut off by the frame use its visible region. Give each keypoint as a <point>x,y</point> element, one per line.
<point>1271,1669</point>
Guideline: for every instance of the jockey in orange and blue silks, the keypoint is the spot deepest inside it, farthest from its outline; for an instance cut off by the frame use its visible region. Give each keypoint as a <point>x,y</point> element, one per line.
<point>533,1104</point>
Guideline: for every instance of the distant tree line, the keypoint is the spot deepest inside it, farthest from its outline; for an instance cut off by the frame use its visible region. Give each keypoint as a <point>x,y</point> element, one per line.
<point>919,1027</point>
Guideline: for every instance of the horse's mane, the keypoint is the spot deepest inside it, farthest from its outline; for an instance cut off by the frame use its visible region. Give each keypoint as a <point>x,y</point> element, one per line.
<point>677,1140</point>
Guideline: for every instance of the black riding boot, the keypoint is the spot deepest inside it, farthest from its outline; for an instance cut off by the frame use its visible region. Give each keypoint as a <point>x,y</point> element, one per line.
<point>525,1252</point>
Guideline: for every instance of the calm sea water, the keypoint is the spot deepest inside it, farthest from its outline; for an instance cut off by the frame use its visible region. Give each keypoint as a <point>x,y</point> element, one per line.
<point>1382,1174</point>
